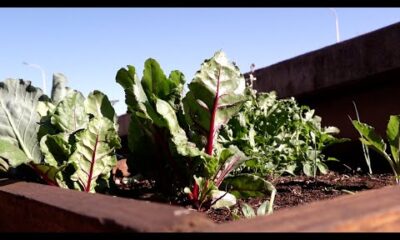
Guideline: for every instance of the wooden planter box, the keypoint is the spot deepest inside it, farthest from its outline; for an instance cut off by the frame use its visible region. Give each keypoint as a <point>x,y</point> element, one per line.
<point>34,207</point>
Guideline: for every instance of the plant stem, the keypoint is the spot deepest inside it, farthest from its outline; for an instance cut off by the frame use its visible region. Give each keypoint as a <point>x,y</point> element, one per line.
<point>271,202</point>
<point>89,181</point>
<point>211,133</point>
<point>43,176</point>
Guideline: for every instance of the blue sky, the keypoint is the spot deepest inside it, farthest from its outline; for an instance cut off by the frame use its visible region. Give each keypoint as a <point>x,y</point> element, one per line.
<point>89,45</point>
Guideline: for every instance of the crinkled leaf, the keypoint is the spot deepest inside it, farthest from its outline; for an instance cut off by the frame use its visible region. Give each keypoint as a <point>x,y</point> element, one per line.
<point>94,156</point>
<point>136,100</point>
<point>222,199</point>
<point>174,98</point>
<point>215,95</point>
<point>45,110</point>
<point>52,174</point>
<point>393,135</point>
<point>69,115</point>
<point>178,135</point>
<point>139,105</point>
<point>276,134</point>
<point>153,104</point>
<point>155,83</point>
<point>247,185</point>
<point>369,137</point>
<point>135,97</point>
<point>229,159</point>
<point>98,105</point>
<point>12,155</point>
<point>45,107</point>
<point>55,148</point>
<point>18,118</point>
<point>372,140</point>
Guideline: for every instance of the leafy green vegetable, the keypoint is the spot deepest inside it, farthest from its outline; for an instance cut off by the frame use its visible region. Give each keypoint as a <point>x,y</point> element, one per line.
<point>248,211</point>
<point>159,145</point>
<point>80,142</point>
<point>70,114</point>
<point>18,123</point>
<point>173,139</point>
<point>371,139</point>
<point>94,156</point>
<point>278,136</point>
<point>11,155</point>
<point>248,185</point>
<point>365,149</point>
<point>215,95</point>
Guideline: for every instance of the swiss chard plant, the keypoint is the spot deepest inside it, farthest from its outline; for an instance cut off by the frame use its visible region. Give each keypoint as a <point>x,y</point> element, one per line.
<point>279,136</point>
<point>159,145</point>
<point>68,140</point>
<point>173,139</point>
<point>80,151</point>
<point>372,140</point>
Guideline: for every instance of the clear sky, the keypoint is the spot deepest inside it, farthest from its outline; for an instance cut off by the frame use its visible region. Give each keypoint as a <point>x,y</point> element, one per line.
<point>89,45</point>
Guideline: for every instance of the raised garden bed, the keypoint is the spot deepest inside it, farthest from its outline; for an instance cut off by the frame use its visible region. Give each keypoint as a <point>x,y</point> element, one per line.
<point>32,207</point>
<point>299,201</point>
<point>292,191</point>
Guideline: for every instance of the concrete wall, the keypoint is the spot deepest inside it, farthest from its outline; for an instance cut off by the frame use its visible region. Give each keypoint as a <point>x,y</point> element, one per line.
<point>365,69</point>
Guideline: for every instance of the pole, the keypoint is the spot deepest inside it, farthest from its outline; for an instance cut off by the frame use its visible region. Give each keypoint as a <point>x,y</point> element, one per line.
<point>42,73</point>
<point>337,24</point>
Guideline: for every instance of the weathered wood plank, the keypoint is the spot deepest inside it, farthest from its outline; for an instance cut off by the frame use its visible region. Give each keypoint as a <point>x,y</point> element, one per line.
<point>372,210</point>
<point>35,207</point>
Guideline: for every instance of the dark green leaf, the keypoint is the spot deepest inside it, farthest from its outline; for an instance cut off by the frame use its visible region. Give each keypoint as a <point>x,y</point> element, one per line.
<point>247,185</point>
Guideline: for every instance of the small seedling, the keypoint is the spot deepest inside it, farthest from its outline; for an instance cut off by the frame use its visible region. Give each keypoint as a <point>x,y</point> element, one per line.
<point>248,211</point>
<point>371,139</point>
<point>364,146</point>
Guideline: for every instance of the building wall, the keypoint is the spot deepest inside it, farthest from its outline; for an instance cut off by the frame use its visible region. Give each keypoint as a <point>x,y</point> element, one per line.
<point>365,69</point>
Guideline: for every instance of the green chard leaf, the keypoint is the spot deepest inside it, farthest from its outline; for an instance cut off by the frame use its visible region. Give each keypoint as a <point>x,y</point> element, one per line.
<point>153,104</point>
<point>12,155</point>
<point>19,123</point>
<point>369,137</point>
<point>94,156</point>
<point>247,185</point>
<point>229,159</point>
<point>215,95</point>
<point>98,104</point>
<point>56,149</point>
<point>69,115</point>
<point>393,135</point>
<point>75,131</point>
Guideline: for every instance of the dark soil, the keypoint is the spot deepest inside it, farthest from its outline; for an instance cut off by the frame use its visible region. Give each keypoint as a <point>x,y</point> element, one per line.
<point>299,190</point>
<point>291,191</point>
